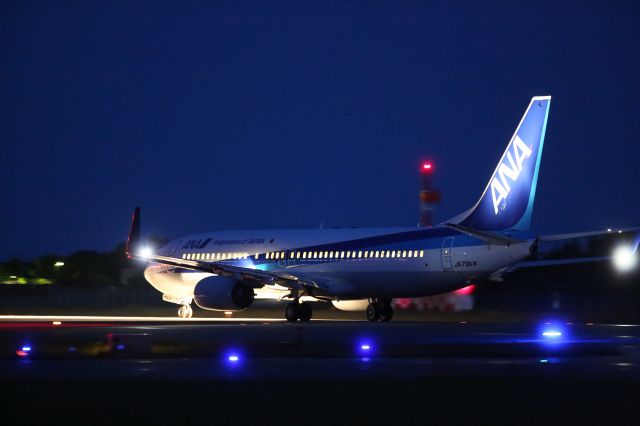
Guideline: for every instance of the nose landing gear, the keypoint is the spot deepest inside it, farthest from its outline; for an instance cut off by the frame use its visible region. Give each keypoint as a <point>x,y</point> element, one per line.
<point>379,310</point>
<point>185,311</point>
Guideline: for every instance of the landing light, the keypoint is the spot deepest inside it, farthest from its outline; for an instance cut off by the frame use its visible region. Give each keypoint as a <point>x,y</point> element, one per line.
<point>552,333</point>
<point>145,252</point>
<point>233,358</point>
<point>624,258</point>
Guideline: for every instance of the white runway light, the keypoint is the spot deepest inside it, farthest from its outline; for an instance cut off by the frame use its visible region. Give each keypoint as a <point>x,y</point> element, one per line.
<point>624,258</point>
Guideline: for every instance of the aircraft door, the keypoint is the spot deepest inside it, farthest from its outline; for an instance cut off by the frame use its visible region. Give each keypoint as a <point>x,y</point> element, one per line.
<point>446,253</point>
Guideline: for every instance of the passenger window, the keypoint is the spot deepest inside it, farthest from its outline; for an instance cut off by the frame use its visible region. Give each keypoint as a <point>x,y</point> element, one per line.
<point>409,253</point>
<point>304,254</point>
<point>360,254</point>
<point>315,254</point>
<point>387,253</point>
<point>348,254</point>
<point>421,253</point>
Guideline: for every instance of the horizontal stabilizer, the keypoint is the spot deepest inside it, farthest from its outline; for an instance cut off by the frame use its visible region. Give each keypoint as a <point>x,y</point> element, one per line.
<point>489,237</point>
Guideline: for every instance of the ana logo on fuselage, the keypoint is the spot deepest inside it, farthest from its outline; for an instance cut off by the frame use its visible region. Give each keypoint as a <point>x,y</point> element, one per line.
<point>500,187</point>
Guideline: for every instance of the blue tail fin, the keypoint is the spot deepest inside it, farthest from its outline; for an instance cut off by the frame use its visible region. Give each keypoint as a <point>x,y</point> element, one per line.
<point>507,201</point>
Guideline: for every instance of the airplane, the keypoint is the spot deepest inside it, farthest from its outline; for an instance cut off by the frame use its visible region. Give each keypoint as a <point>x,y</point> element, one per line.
<point>361,269</point>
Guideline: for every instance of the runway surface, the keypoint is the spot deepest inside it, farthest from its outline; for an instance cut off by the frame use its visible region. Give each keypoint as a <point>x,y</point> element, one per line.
<point>264,361</point>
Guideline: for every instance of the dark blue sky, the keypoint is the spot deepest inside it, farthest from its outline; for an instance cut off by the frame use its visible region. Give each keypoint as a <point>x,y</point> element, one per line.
<point>222,115</point>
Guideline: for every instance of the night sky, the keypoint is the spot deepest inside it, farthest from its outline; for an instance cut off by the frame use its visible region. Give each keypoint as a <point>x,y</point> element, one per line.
<point>224,115</point>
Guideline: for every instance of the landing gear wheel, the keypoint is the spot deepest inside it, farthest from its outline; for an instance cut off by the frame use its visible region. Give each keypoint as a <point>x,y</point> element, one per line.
<point>305,311</point>
<point>374,311</point>
<point>185,311</point>
<point>292,311</point>
<point>387,312</point>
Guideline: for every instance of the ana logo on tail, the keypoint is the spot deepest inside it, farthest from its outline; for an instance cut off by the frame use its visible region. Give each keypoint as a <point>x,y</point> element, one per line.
<point>500,187</point>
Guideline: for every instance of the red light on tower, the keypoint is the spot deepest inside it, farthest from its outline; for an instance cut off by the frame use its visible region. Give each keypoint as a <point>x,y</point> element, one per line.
<point>429,196</point>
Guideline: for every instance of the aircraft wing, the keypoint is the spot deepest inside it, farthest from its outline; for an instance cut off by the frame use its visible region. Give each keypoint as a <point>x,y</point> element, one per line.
<point>558,237</point>
<point>250,275</point>
<point>535,263</point>
<point>498,275</point>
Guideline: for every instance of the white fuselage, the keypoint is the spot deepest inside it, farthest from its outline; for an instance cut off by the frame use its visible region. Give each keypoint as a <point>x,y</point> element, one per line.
<point>344,264</point>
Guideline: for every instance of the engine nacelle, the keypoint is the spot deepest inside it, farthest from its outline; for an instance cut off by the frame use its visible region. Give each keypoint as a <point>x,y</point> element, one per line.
<point>351,305</point>
<point>222,294</point>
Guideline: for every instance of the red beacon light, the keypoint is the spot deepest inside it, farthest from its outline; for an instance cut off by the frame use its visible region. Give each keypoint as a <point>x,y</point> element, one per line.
<point>427,167</point>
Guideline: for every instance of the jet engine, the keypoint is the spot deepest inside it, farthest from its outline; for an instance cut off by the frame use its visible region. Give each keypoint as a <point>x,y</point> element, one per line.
<point>222,294</point>
<point>351,305</point>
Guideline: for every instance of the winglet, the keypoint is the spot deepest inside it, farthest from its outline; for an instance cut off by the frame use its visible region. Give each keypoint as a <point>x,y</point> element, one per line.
<point>134,234</point>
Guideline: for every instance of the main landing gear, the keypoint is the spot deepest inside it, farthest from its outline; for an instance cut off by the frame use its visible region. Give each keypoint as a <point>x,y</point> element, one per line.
<point>379,310</point>
<point>298,311</point>
<point>185,311</point>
